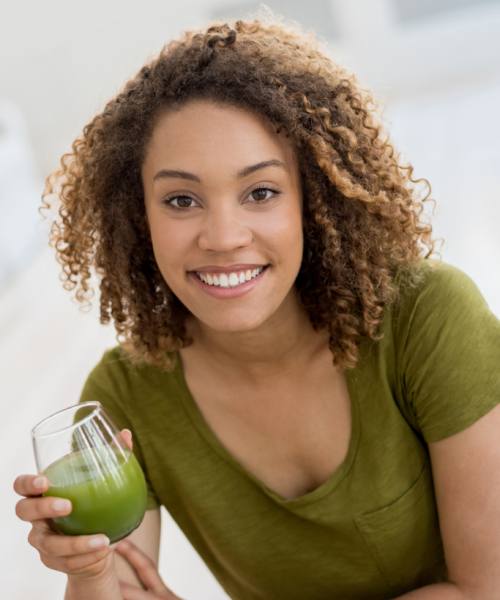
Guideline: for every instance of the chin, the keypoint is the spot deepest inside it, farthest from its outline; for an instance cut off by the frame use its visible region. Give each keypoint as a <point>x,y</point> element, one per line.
<point>236,323</point>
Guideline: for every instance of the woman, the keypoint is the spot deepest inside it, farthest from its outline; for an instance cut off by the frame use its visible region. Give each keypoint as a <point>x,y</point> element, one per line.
<point>311,397</point>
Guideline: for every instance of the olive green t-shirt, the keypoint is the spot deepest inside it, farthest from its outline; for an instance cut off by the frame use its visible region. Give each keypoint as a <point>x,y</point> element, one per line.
<point>371,531</point>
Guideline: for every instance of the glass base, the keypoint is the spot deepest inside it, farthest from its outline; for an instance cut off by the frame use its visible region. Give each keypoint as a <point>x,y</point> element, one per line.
<point>55,527</point>
<point>122,537</point>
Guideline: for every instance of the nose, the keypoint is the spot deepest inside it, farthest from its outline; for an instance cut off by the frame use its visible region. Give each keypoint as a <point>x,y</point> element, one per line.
<point>224,230</point>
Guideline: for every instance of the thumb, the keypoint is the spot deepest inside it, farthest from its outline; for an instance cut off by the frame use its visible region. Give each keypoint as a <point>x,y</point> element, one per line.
<point>127,436</point>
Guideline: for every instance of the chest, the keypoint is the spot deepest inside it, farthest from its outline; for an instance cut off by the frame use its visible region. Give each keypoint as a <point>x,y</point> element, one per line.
<point>292,437</point>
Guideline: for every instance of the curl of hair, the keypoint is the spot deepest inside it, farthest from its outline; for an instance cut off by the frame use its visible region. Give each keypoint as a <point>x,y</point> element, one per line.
<point>365,230</point>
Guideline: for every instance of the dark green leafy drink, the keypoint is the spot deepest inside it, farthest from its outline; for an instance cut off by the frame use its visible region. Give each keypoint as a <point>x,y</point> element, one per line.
<point>106,488</point>
<point>87,461</point>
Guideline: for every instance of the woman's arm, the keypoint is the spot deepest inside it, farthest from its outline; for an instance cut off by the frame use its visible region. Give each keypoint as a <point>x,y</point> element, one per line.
<point>466,470</point>
<point>147,538</point>
<point>102,586</point>
<point>137,563</point>
<point>119,570</point>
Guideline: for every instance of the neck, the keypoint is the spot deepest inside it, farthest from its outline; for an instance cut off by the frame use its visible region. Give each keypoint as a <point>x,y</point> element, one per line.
<point>278,345</point>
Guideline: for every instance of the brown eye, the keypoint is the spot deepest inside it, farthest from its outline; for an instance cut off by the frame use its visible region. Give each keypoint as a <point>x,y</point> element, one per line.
<point>180,202</point>
<point>183,202</point>
<point>260,194</point>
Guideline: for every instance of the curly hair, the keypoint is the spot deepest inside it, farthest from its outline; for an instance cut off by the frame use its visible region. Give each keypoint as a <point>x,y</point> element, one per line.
<point>365,230</point>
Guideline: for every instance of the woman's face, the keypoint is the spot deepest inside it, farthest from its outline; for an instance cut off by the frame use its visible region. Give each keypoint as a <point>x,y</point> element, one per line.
<point>224,206</point>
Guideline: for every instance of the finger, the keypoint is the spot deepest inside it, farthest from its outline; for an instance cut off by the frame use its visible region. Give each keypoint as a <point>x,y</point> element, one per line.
<point>73,565</point>
<point>31,485</point>
<point>145,567</point>
<point>127,436</point>
<point>38,529</point>
<point>45,540</point>
<point>132,592</point>
<point>32,509</point>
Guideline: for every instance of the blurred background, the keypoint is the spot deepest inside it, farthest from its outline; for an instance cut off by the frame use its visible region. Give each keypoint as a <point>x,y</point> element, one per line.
<point>435,64</point>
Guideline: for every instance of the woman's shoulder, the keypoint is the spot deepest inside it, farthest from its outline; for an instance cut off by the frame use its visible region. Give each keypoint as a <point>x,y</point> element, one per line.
<point>441,276</point>
<point>444,299</point>
<point>446,348</point>
<point>117,374</point>
<point>439,287</point>
<point>117,359</point>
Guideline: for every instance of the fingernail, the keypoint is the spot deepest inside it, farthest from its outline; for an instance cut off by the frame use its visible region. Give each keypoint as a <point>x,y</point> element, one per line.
<point>61,505</point>
<point>99,542</point>
<point>128,431</point>
<point>40,482</point>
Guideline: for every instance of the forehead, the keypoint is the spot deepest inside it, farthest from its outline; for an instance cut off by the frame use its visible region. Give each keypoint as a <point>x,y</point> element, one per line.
<point>210,134</point>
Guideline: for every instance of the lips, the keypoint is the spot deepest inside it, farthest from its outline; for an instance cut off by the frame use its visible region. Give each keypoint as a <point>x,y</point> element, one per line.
<point>229,280</point>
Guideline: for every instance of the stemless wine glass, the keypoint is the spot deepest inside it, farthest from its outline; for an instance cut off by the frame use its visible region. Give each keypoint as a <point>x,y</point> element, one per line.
<point>87,461</point>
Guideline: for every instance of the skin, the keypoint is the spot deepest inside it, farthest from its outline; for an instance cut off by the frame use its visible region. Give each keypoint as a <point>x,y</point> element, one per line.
<point>249,388</point>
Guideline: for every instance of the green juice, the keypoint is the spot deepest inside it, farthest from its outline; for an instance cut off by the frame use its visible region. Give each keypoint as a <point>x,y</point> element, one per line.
<point>107,490</point>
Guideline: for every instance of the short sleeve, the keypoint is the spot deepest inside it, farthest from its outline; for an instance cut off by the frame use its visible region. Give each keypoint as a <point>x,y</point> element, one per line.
<point>448,353</point>
<point>101,385</point>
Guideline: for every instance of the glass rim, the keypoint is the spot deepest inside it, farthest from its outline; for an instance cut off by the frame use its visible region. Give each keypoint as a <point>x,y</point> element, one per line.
<point>97,407</point>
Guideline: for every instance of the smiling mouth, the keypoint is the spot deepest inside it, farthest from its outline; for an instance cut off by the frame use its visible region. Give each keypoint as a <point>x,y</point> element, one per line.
<point>229,280</point>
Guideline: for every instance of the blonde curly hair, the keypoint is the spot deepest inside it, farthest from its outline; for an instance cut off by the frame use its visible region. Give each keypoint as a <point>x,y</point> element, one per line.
<point>365,230</point>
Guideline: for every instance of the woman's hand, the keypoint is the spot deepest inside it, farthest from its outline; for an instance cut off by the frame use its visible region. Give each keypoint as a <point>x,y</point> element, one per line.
<point>147,573</point>
<point>83,555</point>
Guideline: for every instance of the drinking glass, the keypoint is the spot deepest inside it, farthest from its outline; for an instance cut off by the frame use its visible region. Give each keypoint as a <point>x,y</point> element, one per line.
<point>87,461</point>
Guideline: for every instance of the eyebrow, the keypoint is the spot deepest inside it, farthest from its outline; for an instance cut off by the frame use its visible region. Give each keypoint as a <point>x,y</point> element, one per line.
<point>242,173</point>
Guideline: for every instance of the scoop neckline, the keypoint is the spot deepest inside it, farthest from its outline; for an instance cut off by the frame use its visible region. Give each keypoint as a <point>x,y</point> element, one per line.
<point>213,441</point>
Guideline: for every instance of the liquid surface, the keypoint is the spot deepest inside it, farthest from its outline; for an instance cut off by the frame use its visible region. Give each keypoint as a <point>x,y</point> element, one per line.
<point>106,488</point>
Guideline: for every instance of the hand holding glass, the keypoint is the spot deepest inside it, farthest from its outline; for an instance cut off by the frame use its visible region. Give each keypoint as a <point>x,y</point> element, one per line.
<point>87,461</point>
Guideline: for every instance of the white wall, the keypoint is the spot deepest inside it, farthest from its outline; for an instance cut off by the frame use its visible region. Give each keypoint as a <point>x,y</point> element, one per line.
<point>451,138</point>
<point>20,185</point>
<point>60,61</point>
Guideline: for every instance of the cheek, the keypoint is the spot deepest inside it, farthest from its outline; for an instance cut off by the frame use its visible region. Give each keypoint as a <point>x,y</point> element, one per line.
<point>287,237</point>
<point>170,241</point>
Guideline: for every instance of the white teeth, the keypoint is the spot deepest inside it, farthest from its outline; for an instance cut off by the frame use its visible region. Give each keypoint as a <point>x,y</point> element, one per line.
<point>229,280</point>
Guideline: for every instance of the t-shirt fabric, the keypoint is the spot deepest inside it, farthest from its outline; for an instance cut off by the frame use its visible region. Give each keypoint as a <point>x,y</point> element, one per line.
<point>371,531</point>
